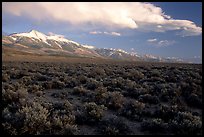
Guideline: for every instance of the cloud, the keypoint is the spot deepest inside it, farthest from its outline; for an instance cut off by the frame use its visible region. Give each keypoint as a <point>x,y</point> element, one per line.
<point>160,43</point>
<point>105,32</point>
<point>112,16</point>
<point>53,34</point>
<point>95,32</point>
<point>151,40</point>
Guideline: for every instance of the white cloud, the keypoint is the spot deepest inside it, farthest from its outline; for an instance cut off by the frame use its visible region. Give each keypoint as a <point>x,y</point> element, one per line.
<point>115,34</point>
<point>160,43</point>
<point>53,34</point>
<point>152,40</point>
<point>117,15</point>
<point>105,32</point>
<point>95,32</point>
<point>164,43</point>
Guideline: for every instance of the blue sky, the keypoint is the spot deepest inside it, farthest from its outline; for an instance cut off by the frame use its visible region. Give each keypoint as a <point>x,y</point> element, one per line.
<point>167,29</point>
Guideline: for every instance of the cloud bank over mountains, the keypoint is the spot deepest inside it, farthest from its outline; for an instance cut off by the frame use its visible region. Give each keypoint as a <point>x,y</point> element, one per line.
<point>111,16</point>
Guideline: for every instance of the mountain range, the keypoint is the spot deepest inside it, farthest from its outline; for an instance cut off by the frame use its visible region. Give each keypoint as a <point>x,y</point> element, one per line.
<point>36,42</point>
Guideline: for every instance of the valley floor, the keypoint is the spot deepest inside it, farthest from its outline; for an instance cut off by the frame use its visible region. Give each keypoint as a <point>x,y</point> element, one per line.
<point>62,95</point>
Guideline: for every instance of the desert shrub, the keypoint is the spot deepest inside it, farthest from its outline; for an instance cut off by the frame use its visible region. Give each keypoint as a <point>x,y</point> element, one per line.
<point>35,88</point>
<point>115,100</point>
<point>147,98</point>
<point>40,77</point>
<point>71,82</point>
<point>171,77</point>
<point>79,90</point>
<point>63,124</point>
<point>5,77</point>
<point>131,85</point>
<point>135,75</point>
<point>114,126</point>
<point>194,100</point>
<point>97,71</point>
<point>94,112</point>
<point>56,84</point>
<point>10,121</point>
<point>35,119</point>
<point>62,95</point>
<point>135,93</point>
<point>15,74</point>
<point>8,129</point>
<point>166,113</point>
<point>22,93</point>
<point>155,73</point>
<point>92,84</point>
<point>7,86</point>
<point>101,95</point>
<point>187,124</point>
<point>157,79</point>
<point>46,85</point>
<point>64,109</point>
<point>10,96</point>
<point>82,79</point>
<point>155,125</point>
<point>27,80</point>
<point>133,110</point>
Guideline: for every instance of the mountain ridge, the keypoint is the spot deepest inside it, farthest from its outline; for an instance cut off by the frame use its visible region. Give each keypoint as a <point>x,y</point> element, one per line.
<point>53,44</point>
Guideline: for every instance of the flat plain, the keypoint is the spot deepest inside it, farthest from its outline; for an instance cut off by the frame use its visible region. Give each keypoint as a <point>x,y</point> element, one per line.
<point>79,96</point>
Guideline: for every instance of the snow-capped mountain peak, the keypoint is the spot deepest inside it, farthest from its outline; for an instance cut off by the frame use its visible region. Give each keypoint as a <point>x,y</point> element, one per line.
<point>42,37</point>
<point>33,34</point>
<point>120,50</point>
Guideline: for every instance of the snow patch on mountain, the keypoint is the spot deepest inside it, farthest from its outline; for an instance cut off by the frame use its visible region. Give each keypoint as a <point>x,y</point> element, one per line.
<point>42,37</point>
<point>14,38</point>
<point>58,45</point>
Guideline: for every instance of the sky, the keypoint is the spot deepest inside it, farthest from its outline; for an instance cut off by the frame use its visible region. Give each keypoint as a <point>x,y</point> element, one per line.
<point>166,29</point>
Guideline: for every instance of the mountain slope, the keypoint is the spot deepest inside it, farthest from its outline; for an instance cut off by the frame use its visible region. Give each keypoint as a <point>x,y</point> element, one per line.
<point>35,41</point>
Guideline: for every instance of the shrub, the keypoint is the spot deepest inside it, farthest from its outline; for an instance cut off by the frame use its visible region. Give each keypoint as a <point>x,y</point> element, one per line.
<point>114,126</point>
<point>27,80</point>
<point>135,93</point>
<point>97,71</point>
<point>79,90</point>
<point>115,100</point>
<point>35,88</point>
<point>47,85</point>
<point>63,125</point>
<point>5,77</point>
<point>35,119</point>
<point>135,74</point>
<point>82,79</point>
<point>155,73</point>
<point>194,100</point>
<point>11,96</point>
<point>71,82</point>
<point>94,112</point>
<point>166,113</point>
<point>147,98</point>
<point>56,84</point>
<point>155,125</point>
<point>133,110</point>
<point>40,77</point>
<point>92,84</point>
<point>187,124</point>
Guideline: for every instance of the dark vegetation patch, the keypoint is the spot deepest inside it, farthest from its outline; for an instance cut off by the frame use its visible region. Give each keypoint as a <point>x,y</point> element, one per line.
<point>117,98</point>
